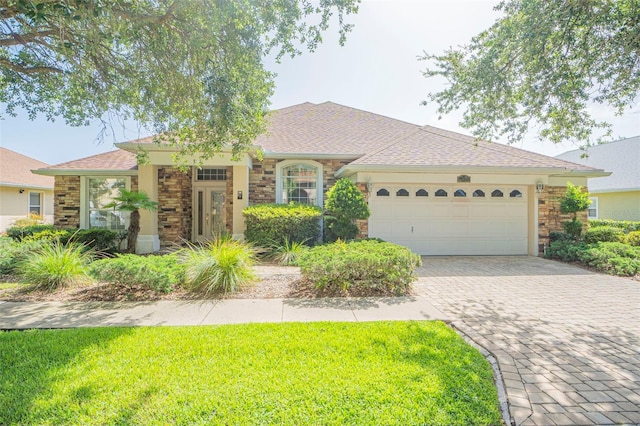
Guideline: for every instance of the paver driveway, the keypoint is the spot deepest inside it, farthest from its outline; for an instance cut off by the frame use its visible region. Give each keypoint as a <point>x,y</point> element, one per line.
<point>567,340</point>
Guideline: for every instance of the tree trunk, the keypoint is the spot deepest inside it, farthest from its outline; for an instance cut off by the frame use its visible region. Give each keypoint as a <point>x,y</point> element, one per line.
<point>134,229</point>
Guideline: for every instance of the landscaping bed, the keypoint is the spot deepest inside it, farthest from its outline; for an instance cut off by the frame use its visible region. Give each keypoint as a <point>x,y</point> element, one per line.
<point>292,373</point>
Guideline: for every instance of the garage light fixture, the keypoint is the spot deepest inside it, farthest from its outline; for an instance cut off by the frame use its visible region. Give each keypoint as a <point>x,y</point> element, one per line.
<point>539,187</point>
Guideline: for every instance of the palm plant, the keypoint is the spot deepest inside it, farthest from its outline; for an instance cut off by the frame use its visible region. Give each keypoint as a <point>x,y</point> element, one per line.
<point>132,202</point>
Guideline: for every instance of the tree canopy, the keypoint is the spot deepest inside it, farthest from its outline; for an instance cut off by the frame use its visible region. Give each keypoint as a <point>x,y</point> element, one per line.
<point>190,70</point>
<point>543,64</point>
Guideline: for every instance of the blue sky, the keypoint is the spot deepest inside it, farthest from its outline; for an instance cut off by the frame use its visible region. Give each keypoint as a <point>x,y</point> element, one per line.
<point>377,70</point>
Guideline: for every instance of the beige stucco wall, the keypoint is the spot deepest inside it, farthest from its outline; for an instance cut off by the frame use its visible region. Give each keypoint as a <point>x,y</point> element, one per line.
<point>619,205</point>
<point>14,205</point>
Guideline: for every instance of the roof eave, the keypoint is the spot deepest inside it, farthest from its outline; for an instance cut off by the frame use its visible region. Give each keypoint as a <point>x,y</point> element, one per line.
<point>551,171</point>
<point>25,185</point>
<point>86,172</point>
<point>311,156</point>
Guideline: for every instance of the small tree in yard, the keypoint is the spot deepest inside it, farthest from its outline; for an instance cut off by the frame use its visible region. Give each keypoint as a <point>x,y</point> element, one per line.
<point>132,201</point>
<point>345,203</point>
<point>574,201</point>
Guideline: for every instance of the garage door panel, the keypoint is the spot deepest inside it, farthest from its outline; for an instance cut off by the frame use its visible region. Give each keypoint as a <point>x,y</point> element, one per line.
<point>450,226</point>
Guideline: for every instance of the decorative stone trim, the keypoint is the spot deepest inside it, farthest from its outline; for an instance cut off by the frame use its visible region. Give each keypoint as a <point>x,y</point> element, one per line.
<point>66,202</point>
<point>174,205</point>
<point>549,217</point>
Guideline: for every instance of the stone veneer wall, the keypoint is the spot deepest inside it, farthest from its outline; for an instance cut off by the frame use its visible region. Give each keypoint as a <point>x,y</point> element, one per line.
<point>66,201</point>
<point>262,178</point>
<point>174,205</point>
<point>363,225</point>
<point>549,217</point>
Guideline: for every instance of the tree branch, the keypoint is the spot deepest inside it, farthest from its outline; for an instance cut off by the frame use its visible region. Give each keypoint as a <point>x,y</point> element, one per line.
<point>28,70</point>
<point>14,39</point>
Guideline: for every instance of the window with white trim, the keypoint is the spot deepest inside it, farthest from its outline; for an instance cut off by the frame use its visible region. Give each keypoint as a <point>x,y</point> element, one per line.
<point>99,192</point>
<point>299,182</point>
<point>35,203</point>
<point>592,212</point>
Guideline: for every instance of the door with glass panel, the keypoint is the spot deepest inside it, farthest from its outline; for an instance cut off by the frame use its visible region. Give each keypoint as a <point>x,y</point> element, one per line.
<point>209,213</point>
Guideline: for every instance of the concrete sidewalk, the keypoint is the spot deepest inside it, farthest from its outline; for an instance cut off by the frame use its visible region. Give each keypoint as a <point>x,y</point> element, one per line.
<point>27,315</point>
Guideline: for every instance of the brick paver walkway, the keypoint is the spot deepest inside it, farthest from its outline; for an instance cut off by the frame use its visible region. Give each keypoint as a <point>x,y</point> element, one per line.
<point>567,340</point>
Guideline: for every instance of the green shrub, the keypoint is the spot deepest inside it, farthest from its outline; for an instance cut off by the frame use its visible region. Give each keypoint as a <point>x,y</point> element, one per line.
<point>603,234</point>
<point>158,273</point>
<point>633,238</point>
<point>565,250</point>
<point>13,252</point>
<point>18,233</point>
<point>345,203</point>
<point>288,253</point>
<point>608,257</point>
<point>365,264</point>
<point>626,225</point>
<point>270,224</point>
<point>573,228</point>
<point>221,266</point>
<point>104,240</point>
<point>559,236</point>
<point>56,265</point>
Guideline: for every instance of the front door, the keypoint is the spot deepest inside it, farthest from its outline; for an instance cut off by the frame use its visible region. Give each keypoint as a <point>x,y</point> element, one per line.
<point>209,212</point>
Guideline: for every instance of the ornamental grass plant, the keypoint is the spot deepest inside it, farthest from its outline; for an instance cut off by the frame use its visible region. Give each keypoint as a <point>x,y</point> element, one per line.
<point>220,266</point>
<point>56,265</point>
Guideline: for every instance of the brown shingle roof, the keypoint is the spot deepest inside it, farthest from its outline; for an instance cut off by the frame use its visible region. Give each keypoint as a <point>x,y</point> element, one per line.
<point>336,130</point>
<point>112,160</point>
<point>430,146</point>
<point>328,129</point>
<point>15,169</point>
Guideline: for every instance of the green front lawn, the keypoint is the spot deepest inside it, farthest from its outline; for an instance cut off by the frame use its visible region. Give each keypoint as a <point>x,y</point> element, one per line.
<point>316,373</point>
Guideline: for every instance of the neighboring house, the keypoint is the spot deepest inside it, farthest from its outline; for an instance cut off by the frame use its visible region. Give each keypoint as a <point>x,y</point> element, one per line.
<point>22,192</point>
<point>617,196</point>
<point>435,191</point>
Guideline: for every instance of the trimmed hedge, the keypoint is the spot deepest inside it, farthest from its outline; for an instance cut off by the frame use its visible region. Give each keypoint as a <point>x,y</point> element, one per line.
<point>633,238</point>
<point>18,233</point>
<point>158,273</point>
<point>12,253</point>
<point>271,225</point>
<point>610,257</point>
<point>604,234</point>
<point>103,240</point>
<point>365,264</point>
<point>626,225</point>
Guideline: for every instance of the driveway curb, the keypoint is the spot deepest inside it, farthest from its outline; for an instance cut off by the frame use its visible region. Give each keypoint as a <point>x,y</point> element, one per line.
<point>497,376</point>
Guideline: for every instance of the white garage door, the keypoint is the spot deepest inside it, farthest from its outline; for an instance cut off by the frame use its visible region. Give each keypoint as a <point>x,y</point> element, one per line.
<point>451,220</point>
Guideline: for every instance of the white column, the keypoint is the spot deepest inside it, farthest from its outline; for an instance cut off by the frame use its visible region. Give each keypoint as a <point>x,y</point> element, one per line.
<point>148,239</point>
<point>240,184</point>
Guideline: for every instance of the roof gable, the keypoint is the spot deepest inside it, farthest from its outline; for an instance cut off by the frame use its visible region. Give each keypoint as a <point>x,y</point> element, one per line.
<point>109,161</point>
<point>329,129</point>
<point>15,169</point>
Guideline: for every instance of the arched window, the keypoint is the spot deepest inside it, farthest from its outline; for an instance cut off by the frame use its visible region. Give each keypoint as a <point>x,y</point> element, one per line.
<point>515,194</point>
<point>478,193</point>
<point>422,193</point>
<point>497,193</point>
<point>402,193</point>
<point>459,193</point>
<point>299,182</point>
<point>382,192</point>
<point>441,193</point>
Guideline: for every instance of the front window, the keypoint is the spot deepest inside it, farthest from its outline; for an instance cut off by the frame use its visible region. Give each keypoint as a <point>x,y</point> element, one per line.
<point>299,184</point>
<point>35,203</point>
<point>101,191</point>
<point>593,208</point>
